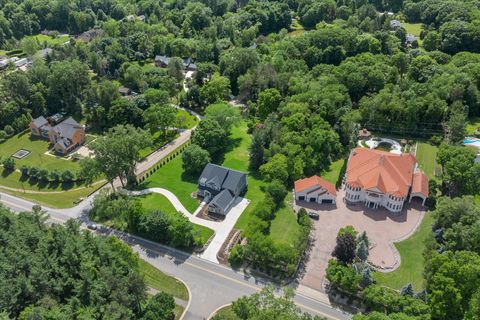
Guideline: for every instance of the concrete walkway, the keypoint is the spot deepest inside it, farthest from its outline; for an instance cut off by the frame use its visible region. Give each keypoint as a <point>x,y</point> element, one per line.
<point>221,228</point>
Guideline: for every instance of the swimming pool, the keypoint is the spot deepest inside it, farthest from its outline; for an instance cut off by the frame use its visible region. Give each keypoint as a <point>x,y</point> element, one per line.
<point>471,142</point>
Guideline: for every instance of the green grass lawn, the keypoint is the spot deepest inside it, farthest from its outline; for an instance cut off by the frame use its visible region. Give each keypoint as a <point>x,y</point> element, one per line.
<point>226,313</point>
<point>178,311</point>
<point>37,156</point>
<point>237,157</point>
<point>66,199</point>
<point>171,177</point>
<point>284,228</point>
<point>185,120</point>
<point>51,41</point>
<point>159,140</point>
<point>411,252</point>
<point>426,157</point>
<point>415,29</point>
<point>333,172</point>
<point>162,282</point>
<point>155,201</point>
<point>472,125</point>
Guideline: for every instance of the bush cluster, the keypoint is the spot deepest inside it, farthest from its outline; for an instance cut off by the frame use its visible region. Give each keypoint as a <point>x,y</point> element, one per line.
<point>46,175</point>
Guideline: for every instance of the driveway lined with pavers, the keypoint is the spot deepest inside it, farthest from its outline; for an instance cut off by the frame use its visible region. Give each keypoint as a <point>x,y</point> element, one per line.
<point>383,229</point>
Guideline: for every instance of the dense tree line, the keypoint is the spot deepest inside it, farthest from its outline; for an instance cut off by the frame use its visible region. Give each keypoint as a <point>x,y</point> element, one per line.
<point>60,272</point>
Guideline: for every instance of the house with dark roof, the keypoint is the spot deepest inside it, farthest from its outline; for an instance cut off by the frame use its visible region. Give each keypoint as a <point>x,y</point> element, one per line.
<point>161,61</point>
<point>220,186</point>
<point>65,135</point>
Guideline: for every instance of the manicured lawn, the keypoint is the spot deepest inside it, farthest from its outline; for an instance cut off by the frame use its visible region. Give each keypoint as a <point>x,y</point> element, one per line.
<point>237,158</point>
<point>415,29</point>
<point>472,125</point>
<point>51,41</point>
<point>66,199</point>
<point>172,178</point>
<point>426,157</point>
<point>159,140</point>
<point>185,120</point>
<point>162,282</point>
<point>178,311</point>
<point>227,313</point>
<point>333,173</point>
<point>284,228</point>
<point>155,201</point>
<point>37,156</point>
<point>411,251</point>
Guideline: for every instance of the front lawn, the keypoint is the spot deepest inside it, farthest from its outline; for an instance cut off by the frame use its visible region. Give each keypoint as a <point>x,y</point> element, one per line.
<point>415,29</point>
<point>158,280</point>
<point>37,157</point>
<point>51,41</point>
<point>426,157</point>
<point>65,199</point>
<point>412,265</point>
<point>226,313</point>
<point>172,178</point>
<point>155,201</point>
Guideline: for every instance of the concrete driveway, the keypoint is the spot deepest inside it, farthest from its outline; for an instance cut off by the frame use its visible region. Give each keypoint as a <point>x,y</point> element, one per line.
<point>382,228</point>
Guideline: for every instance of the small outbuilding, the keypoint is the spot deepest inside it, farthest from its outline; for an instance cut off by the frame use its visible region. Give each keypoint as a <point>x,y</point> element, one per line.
<point>315,189</point>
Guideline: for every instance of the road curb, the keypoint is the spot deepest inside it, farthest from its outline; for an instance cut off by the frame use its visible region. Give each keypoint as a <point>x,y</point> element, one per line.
<point>189,298</point>
<point>216,310</point>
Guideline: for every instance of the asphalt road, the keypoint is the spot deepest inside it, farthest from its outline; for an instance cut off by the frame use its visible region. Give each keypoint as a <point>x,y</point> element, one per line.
<point>210,285</point>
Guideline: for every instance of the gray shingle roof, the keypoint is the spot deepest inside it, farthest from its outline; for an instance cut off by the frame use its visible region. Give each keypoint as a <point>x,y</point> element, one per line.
<point>40,121</point>
<point>213,175</point>
<point>233,180</point>
<point>223,200</point>
<point>67,128</point>
<point>163,59</point>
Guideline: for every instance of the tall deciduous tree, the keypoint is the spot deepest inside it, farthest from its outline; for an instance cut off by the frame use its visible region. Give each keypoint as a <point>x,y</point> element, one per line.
<point>160,117</point>
<point>117,153</point>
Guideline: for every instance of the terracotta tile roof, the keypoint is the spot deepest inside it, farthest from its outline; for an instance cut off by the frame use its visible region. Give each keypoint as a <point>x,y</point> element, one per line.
<point>388,172</point>
<point>302,184</point>
<point>420,183</point>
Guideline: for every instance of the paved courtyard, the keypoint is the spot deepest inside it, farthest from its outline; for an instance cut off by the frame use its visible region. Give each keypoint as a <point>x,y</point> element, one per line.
<point>382,228</point>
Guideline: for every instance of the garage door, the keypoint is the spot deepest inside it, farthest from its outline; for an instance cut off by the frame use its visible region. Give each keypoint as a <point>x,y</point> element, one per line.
<point>327,201</point>
<point>301,198</point>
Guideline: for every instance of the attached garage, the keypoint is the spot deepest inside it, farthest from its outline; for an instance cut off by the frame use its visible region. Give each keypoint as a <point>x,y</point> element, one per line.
<point>327,201</point>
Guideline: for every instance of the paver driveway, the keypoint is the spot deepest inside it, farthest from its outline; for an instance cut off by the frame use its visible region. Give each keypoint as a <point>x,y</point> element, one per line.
<point>382,228</point>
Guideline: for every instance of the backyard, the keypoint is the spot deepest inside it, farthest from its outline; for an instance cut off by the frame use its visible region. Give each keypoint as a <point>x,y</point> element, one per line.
<point>426,157</point>
<point>472,125</point>
<point>415,29</point>
<point>412,265</point>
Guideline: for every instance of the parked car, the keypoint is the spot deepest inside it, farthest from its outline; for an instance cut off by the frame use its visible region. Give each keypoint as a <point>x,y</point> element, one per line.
<point>92,226</point>
<point>313,215</point>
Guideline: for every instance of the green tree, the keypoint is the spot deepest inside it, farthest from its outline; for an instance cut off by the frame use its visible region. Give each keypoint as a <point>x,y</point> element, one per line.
<point>275,169</point>
<point>194,159</point>
<point>117,153</point>
<point>225,114</point>
<point>160,118</point>
<point>344,249</point>
<point>268,102</point>
<point>159,307</point>
<point>8,164</point>
<point>209,135</point>
<point>215,90</point>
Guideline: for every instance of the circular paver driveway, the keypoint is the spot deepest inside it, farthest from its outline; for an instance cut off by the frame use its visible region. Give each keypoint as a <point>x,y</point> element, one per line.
<point>382,228</point>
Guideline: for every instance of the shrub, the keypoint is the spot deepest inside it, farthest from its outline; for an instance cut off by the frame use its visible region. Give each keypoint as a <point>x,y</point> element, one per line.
<point>55,176</point>
<point>343,277</point>
<point>236,255</point>
<point>33,172</point>
<point>25,170</point>
<point>436,140</point>
<point>43,174</point>
<point>9,130</point>
<point>67,176</point>
<point>3,135</point>
<point>8,164</point>
<point>277,191</point>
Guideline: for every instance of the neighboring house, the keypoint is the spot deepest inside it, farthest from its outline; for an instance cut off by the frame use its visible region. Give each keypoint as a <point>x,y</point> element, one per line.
<point>410,38</point>
<point>65,135</point>
<point>162,61</point>
<point>220,187</point>
<point>89,35</point>
<point>4,63</point>
<point>124,91</point>
<point>40,127</point>
<point>315,189</point>
<point>395,24</point>
<point>383,179</point>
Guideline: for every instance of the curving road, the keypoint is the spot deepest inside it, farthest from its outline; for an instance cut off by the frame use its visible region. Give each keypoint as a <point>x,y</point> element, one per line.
<point>211,285</point>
